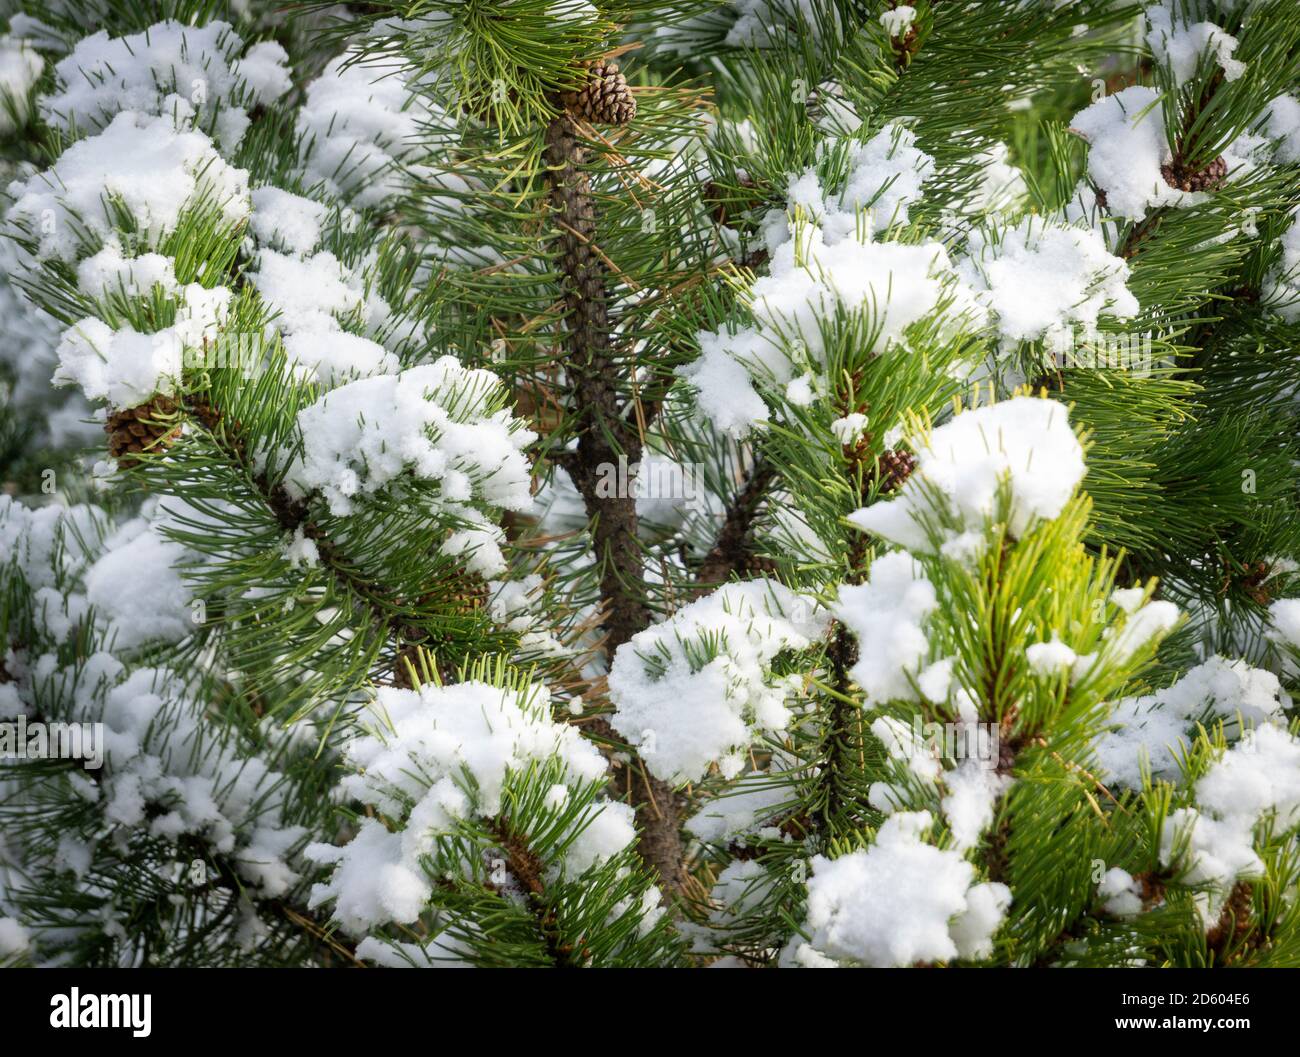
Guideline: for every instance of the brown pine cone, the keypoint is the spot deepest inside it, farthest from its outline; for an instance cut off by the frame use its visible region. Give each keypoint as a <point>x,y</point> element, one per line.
<point>606,98</point>
<point>201,408</point>
<point>896,466</point>
<point>149,427</point>
<point>755,565</point>
<point>1208,179</point>
<point>470,593</point>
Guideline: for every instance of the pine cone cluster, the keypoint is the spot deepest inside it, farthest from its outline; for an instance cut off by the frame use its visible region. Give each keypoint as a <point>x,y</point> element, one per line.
<point>152,426</point>
<point>605,99</point>
<point>1208,179</point>
<point>895,467</point>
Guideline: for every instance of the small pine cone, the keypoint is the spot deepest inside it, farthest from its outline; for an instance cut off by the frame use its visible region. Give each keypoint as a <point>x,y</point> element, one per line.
<point>207,415</point>
<point>401,673</point>
<point>1236,919</point>
<point>470,594</point>
<point>896,466</point>
<point>151,426</point>
<point>755,565</point>
<point>1208,179</point>
<point>605,99</point>
<point>715,199</point>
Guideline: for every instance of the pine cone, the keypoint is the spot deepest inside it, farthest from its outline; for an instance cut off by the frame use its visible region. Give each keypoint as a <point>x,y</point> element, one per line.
<point>1208,179</point>
<point>1235,921</point>
<point>470,594</point>
<point>151,426</point>
<point>755,565</point>
<point>605,99</point>
<point>895,467</point>
<point>208,416</point>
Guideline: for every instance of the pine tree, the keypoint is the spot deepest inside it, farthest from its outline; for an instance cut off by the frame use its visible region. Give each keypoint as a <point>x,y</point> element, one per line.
<point>549,483</point>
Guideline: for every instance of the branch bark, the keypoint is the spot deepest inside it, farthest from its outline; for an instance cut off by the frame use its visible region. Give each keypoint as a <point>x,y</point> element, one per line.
<point>605,435</point>
<point>729,551</point>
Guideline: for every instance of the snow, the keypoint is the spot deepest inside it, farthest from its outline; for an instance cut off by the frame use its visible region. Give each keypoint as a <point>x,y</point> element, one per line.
<point>904,743</point>
<point>359,121</point>
<point>126,368</point>
<point>1214,852</point>
<point>441,952</point>
<point>1283,125</point>
<point>479,544</point>
<point>837,116</point>
<point>902,902</point>
<point>1258,776</point>
<point>1284,617</point>
<point>740,889</point>
<point>50,544</point>
<point>168,772</point>
<point>1182,46</point>
<point>899,20</point>
<point>696,689</point>
<point>1122,894</point>
<point>438,755</point>
<point>286,222</point>
<point>811,275</point>
<point>1281,287</point>
<point>1129,599</point>
<point>123,367</point>
<point>1050,658</point>
<point>887,613</point>
<point>14,938</point>
<point>300,551</point>
<point>723,390</point>
<point>751,801</point>
<point>333,357</point>
<point>974,787</point>
<point>28,342</point>
<point>1024,443</point>
<point>371,883</point>
<point>886,175</point>
<point>307,294</point>
<point>1127,147</point>
<point>432,422</point>
<point>1000,187</point>
<point>610,830</point>
<point>1155,727</point>
<point>441,751</point>
<point>153,170</point>
<point>973,929</point>
<point>849,429</point>
<point>149,72</point>
<point>137,590</point>
<point>1039,279</point>
<point>767,23</point>
<point>20,69</point>
<point>1213,842</point>
<point>264,69</point>
<point>1144,625</point>
<point>111,272</point>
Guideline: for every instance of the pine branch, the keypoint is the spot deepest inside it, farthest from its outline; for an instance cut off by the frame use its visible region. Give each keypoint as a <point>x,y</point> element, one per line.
<point>528,869</point>
<point>592,376</point>
<point>730,549</point>
<point>836,759</point>
<point>328,945</point>
<point>292,514</point>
